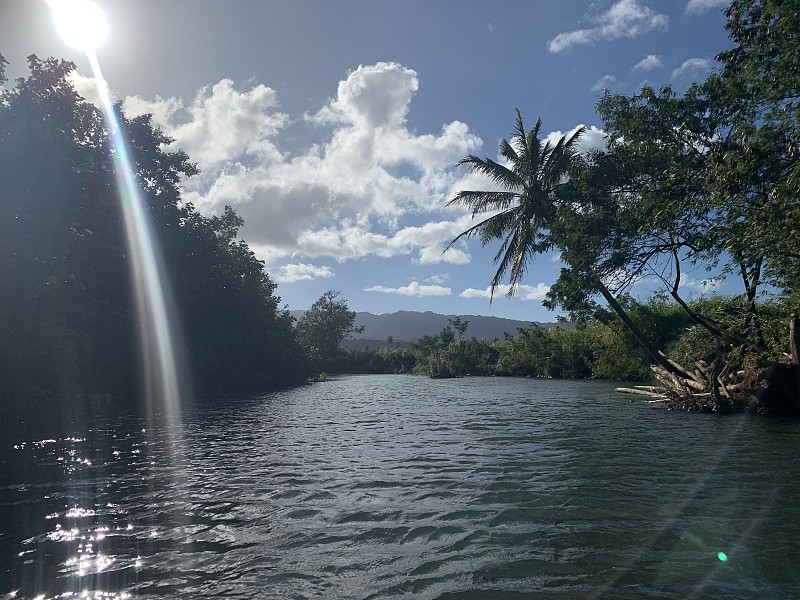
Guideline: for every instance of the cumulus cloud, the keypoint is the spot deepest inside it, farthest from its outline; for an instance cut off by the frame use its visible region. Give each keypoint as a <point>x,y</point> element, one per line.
<point>700,6</point>
<point>593,138</point>
<point>425,243</point>
<point>372,96</point>
<point>223,123</point>
<point>365,184</point>
<point>292,273</point>
<point>346,195</point>
<point>625,18</point>
<point>438,278</point>
<point>691,70</point>
<point>648,63</point>
<point>521,292</point>
<point>87,87</point>
<point>604,83</point>
<point>412,289</point>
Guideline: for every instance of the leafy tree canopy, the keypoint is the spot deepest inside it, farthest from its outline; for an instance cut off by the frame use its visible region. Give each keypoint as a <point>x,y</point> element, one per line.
<point>323,326</point>
<point>67,313</point>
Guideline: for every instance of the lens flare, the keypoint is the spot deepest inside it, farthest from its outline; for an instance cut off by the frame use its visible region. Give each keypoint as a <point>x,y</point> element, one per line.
<point>82,24</point>
<point>160,365</point>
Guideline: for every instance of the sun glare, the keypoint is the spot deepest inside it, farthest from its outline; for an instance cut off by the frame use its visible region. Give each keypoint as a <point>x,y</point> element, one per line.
<point>80,23</point>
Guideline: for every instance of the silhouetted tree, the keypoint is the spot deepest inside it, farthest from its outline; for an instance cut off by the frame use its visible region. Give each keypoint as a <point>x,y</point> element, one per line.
<point>67,315</point>
<point>323,327</point>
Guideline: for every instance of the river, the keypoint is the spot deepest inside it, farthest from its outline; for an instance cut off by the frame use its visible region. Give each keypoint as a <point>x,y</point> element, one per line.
<point>402,486</point>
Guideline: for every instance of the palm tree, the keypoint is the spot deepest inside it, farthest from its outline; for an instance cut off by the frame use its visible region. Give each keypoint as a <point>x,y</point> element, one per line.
<point>524,206</point>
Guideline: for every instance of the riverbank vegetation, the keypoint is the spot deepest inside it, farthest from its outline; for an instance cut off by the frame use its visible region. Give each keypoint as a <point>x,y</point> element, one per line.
<point>709,177</point>
<point>705,178</point>
<point>68,320</point>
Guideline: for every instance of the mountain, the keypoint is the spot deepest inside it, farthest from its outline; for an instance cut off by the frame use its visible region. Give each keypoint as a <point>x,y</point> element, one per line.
<point>407,326</point>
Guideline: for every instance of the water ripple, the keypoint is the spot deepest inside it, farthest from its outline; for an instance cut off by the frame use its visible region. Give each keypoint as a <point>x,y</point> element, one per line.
<point>379,487</point>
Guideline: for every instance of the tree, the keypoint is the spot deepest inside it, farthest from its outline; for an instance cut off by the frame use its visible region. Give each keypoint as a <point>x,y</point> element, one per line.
<point>323,327</point>
<point>459,326</point>
<point>709,177</point>
<point>525,203</point>
<point>67,297</point>
<point>535,199</point>
<point>757,95</point>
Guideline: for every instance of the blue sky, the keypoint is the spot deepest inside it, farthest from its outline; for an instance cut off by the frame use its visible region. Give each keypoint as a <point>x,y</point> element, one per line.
<point>334,127</point>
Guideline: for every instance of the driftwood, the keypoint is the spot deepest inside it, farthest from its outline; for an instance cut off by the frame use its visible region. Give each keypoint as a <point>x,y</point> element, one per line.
<point>639,392</point>
<point>706,388</point>
<point>766,386</point>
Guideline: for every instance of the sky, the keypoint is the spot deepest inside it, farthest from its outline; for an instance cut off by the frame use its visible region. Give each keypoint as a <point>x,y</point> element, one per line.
<point>334,128</point>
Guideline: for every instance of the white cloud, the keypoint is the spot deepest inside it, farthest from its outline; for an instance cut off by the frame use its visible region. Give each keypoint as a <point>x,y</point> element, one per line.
<point>292,273</point>
<point>691,70</point>
<point>223,124</point>
<point>162,109</point>
<point>700,6</point>
<point>372,96</point>
<point>344,196</point>
<point>349,241</point>
<point>438,279</point>
<point>522,292</point>
<point>648,63</point>
<point>412,289</point>
<point>625,18</point>
<point>604,83</point>
<point>87,87</point>
<point>593,138</point>
<point>364,185</point>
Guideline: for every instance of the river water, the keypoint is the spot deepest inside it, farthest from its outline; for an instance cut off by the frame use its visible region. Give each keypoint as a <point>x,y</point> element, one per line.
<point>401,486</point>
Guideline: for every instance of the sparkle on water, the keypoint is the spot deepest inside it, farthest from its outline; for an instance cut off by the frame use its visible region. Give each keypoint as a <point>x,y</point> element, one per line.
<point>82,24</point>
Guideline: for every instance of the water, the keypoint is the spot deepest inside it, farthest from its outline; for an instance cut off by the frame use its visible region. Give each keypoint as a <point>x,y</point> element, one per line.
<point>400,486</point>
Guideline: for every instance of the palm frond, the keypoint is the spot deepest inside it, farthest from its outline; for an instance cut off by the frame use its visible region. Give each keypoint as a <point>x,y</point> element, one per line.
<point>481,202</point>
<point>495,222</point>
<point>508,152</point>
<point>497,173</point>
<point>504,257</point>
<point>527,202</point>
<point>498,226</point>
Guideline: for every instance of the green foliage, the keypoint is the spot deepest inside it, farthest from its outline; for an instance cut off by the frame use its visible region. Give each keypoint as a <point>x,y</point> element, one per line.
<point>711,176</point>
<point>67,313</point>
<point>757,97</point>
<point>732,311</point>
<point>525,208</point>
<point>323,327</point>
<point>383,361</point>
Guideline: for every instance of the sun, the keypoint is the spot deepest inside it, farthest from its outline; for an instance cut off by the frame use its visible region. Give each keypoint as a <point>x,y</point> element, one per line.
<point>80,23</point>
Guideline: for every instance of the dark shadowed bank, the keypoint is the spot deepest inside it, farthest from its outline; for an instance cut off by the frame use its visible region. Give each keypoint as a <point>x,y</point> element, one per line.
<point>68,322</point>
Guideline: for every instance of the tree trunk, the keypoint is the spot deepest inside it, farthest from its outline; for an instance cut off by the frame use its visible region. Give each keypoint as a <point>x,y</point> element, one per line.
<point>654,353</point>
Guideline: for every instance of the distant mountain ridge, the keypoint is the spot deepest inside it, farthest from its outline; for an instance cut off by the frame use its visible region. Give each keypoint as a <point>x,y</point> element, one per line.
<point>407,326</point>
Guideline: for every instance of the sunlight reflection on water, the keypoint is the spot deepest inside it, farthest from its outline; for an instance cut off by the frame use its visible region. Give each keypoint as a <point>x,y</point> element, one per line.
<point>374,487</point>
